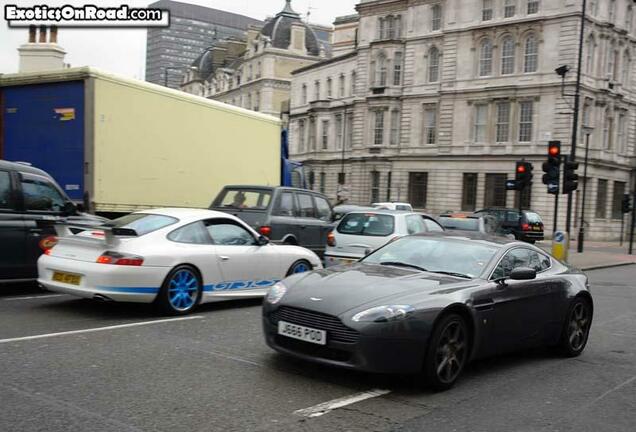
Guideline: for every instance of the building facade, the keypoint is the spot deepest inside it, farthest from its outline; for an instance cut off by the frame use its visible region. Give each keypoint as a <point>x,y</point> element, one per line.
<point>259,78</point>
<point>438,99</point>
<point>171,50</point>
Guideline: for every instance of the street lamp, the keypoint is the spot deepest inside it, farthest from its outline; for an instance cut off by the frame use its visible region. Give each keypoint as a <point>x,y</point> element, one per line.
<point>587,130</point>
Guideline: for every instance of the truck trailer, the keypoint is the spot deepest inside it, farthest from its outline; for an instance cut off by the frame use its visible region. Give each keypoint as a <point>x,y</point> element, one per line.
<point>120,145</point>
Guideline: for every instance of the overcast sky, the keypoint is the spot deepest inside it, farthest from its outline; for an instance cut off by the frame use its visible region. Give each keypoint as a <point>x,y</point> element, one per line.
<point>123,51</point>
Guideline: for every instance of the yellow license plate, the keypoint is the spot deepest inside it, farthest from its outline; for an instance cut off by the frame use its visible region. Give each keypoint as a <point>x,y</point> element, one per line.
<point>67,278</point>
<point>536,229</point>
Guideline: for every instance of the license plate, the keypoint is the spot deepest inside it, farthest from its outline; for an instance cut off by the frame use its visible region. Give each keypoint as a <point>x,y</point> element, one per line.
<point>302,333</point>
<point>347,262</point>
<point>67,278</point>
<point>536,228</point>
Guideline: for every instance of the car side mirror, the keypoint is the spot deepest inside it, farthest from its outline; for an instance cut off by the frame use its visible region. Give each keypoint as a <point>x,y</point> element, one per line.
<point>69,209</point>
<point>523,273</point>
<point>262,240</point>
<point>80,208</point>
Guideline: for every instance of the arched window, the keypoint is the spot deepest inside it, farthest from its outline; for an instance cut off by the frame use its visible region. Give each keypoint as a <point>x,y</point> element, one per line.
<point>531,54</point>
<point>436,17</point>
<point>433,65</point>
<point>590,51</point>
<point>485,58</point>
<point>507,56</point>
<point>609,66</point>
<point>626,73</point>
<point>381,70</point>
<point>397,69</point>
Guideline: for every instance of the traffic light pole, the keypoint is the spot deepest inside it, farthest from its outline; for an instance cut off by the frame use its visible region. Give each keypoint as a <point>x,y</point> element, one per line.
<point>581,237</point>
<point>575,122</point>
<point>556,213</point>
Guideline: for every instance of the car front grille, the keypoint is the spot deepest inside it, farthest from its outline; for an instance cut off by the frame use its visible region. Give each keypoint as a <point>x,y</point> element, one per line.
<point>336,330</point>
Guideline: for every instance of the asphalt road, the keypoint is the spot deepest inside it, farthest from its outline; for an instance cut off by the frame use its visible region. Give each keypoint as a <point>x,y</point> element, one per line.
<point>122,368</point>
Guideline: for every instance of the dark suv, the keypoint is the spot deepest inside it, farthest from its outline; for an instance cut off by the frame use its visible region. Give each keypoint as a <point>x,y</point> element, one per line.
<point>526,226</point>
<point>285,215</point>
<point>30,204</point>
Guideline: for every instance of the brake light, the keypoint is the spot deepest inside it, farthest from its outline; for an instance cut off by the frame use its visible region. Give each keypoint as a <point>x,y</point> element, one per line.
<point>525,227</point>
<point>331,239</point>
<point>265,230</point>
<point>47,252</point>
<point>116,258</point>
<point>47,243</point>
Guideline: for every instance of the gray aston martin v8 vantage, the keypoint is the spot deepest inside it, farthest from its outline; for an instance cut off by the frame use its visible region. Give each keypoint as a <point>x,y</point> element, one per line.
<point>429,304</point>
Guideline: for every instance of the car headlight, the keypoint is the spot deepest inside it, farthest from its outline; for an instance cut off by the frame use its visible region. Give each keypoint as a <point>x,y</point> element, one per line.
<point>276,292</point>
<point>384,313</point>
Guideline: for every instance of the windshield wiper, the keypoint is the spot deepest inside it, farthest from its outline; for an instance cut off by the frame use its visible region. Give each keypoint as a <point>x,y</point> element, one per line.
<point>402,264</point>
<point>461,275</point>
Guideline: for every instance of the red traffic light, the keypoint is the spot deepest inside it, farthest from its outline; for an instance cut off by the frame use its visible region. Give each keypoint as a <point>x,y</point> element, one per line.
<point>554,151</point>
<point>521,168</point>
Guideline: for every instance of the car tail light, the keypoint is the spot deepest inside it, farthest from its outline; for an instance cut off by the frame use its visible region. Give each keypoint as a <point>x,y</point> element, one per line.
<point>47,243</point>
<point>265,230</point>
<point>525,227</point>
<point>331,239</point>
<point>116,258</point>
<point>47,252</point>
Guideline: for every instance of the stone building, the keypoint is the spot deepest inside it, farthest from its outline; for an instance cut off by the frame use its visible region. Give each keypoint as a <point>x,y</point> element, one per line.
<point>259,77</point>
<point>436,99</point>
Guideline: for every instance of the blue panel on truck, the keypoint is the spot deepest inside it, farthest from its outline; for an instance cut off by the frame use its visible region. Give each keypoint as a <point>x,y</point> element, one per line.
<point>44,125</point>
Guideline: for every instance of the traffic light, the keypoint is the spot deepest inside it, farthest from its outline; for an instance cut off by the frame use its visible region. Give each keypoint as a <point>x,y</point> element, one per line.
<point>626,204</point>
<point>523,174</point>
<point>551,167</point>
<point>570,177</point>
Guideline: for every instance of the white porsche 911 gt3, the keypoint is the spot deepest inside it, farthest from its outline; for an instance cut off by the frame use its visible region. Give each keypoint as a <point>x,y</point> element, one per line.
<point>176,258</point>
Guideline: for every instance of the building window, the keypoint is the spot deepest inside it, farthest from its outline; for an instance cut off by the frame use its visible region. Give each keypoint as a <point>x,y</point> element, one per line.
<point>301,136</point>
<point>430,124</point>
<point>486,10</point>
<point>322,182</point>
<point>418,184</point>
<point>612,10</point>
<point>380,28</point>
<point>485,58</point>
<point>614,67</point>
<point>608,131</point>
<point>378,130</point>
<point>395,127</point>
<point>508,56</point>
<point>352,84</point>
<point>257,101</point>
<point>629,18</point>
<point>388,186</point>
<point>349,126</point>
<point>329,87</point>
<point>325,134</point>
<point>469,192</point>
<point>495,194</point>
<point>397,69</point>
<point>433,65</point>
<point>510,8</point>
<point>627,66</point>
<point>533,7</point>
<point>312,134</point>
<point>341,178</point>
<point>381,70</point>
<point>617,200</point>
<point>601,199</point>
<point>621,146</point>
<point>339,131</point>
<point>317,90</point>
<point>390,28</point>
<point>341,86</point>
<point>503,121</point>
<point>526,112</point>
<point>375,186</point>
<point>436,17</point>
<point>589,61</point>
<point>531,54</point>
<point>481,118</point>
<point>593,7</point>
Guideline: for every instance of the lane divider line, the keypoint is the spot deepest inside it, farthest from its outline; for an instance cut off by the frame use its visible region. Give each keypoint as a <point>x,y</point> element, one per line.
<point>98,329</point>
<point>32,297</point>
<point>325,407</point>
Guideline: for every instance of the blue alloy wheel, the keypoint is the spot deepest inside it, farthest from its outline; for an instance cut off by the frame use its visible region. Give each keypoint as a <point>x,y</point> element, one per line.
<point>300,266</point>
<point>183,290</point>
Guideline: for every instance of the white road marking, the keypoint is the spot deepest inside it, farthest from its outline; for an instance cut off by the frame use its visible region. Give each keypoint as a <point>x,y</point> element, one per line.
<point>618,387</point>
<point>325,407</point>
<point>98,329</point>
<point>32,297</point>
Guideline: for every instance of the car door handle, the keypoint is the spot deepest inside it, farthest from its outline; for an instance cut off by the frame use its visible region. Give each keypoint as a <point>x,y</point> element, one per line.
<point>224,258</point>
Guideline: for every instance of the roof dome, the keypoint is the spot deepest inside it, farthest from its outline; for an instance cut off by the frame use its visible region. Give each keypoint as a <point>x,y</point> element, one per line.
<point>278,29</point>
<point>204,64</point>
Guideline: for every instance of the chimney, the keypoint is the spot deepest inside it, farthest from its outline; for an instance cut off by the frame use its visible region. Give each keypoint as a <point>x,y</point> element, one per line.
<point>297,43</point>
<point>41,55</point>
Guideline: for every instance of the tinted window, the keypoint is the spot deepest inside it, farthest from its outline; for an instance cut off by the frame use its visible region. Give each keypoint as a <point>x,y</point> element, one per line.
<point>519,257</point>
<point>306,205</point>
<point>193,233</point>
<point>403,207</point>
<point>512,216</point>
<point>41,195</point>
<point>286,205</point>
<point>432,226</point>
<point>532,217</point>
<point>142,223</point>
<point>229,234</point>
<point>538,261</point>
<point>466,224</point>
<point>415,224</point>
<point>5,190</point>
<point>436,254</point>
<point>369,224</point>
<point>323,209</point>
<point>244,199</point>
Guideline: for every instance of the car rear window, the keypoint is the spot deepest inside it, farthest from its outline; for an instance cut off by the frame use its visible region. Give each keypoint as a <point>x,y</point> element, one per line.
<point>249,199</point>
<point>532,217</point>
<point>367,224</point>
<point>142,223</point>
<point>465,224</point>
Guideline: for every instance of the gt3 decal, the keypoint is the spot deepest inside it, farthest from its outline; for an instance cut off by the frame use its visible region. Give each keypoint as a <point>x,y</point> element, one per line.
<point>236,285</point>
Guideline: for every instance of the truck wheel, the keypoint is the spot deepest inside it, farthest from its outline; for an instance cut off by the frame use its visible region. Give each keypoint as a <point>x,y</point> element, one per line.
<point>180,292</point>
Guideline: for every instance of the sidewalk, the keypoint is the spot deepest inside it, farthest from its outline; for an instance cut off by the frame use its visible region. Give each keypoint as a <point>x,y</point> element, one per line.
<point>596,254</point>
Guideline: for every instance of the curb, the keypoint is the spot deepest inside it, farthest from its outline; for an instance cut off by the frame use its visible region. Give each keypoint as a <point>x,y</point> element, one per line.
<point>604,266</point>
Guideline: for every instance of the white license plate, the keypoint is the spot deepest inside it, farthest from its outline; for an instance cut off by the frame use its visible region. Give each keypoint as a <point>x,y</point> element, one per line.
<point>302,333</point>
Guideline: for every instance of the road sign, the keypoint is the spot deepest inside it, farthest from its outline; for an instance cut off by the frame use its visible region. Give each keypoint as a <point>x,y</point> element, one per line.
<point>511,184</point>
<point>560,245</point>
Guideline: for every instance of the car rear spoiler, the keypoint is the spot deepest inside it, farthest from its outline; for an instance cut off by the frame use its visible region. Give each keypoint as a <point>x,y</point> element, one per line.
<point>111,235</point>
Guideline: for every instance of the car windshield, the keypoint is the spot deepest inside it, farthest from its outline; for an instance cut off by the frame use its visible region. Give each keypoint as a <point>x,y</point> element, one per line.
<point>465,224</point>
<point>249,199</point>
<point>533,217</point>
<point>367,224</point>
<point>435,255</point>
<point>142,223</point>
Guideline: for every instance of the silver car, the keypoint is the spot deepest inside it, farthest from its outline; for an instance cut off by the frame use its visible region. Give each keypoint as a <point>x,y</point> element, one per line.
<point>361,232</point>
